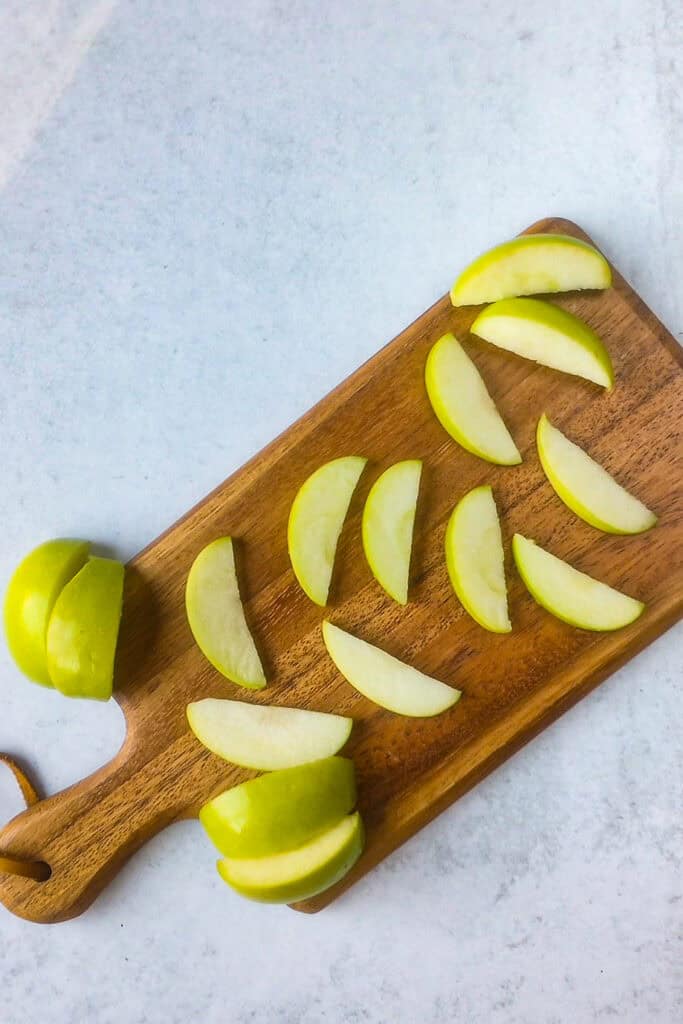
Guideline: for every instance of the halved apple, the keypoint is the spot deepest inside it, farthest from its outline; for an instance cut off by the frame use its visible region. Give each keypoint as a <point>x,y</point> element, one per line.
<point>384,679</point>
<point>31,594</point>
<point>463,405</point>
<point>548,335</point>
<point>83,631</point>
<point>301,873</point>
<point>571,595</point>
<point>281,810</point>
<point>474,557</point>
<point>585,487</point>
<point>216,616</point>
<point>531,265</point>
<point>315,523</point>
<point>388,520</point>
<point>266,738</point>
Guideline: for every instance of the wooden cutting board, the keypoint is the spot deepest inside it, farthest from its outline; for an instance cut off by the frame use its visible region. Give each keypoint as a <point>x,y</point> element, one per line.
<point>408,770</point>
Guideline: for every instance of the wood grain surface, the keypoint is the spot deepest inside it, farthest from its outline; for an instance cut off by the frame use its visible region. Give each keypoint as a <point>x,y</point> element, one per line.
<point>408,769</point>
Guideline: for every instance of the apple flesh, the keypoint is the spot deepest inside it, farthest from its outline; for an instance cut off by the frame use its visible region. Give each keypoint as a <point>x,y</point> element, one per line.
<point>531,265</point>
<point>570,595</point>
<point>463,405</point>
<point>388,521</point>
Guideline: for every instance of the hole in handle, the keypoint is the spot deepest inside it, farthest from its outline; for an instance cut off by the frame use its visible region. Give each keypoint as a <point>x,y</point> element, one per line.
<point>38,870</point>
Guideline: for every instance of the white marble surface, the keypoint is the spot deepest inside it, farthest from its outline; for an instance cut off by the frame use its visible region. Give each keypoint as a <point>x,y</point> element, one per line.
<point>209,214</point>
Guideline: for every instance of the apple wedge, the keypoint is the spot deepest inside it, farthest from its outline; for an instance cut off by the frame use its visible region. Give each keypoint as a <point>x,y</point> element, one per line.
<point>281,810</point>
<point>315,523</point>
<point>571,595</point>
<point>531,265</point>
<point>216,616</point>
<point>301,873</point>
<point>266,738</point>
<point>586,488</point>
<point>388,520</point>
<point>463,405</point>
<point>385,680</point>
<point>474,557</point>
<point>547,335</point>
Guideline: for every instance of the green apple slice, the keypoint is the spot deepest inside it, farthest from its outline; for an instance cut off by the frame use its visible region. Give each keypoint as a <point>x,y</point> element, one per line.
<point>315,523</point>
<point>531,265</point>
<point>216,616</point>
<point>571,595</point>
<point>463,405</point>
<point>388,520</point>
<point>385,680</point>
<point>301,873</point>
<point>83,630</point>
<point>281,810</point>
<point>548,335</point>
<point>474,556</point>
<point>266,738</point>
<point>586,488</point>
<point>33,589</point>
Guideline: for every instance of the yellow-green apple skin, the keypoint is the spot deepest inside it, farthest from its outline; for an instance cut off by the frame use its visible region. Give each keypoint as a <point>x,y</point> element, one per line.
<point>301,873</point>
<point>548,335</point>
<point>570,595</point>
<point>83,630</point>
<point>281,810</point>
<point>531,265</point>
<point>216,616</point>
<point>464,407</point>
<point>586,488</point>
<point>315,523</point>
<point>384,679</point>
<point>388,521</point>
<point>266,737</point>
<point>31,594</point>
<point>474,557</point>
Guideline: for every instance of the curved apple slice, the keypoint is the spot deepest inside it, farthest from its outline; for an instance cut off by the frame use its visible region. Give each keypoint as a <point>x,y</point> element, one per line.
<point>585,487</point>
<point>216,616</point>
<point>315,523</point>
<point>531,265</point>
<point>385,680</point>
<point>266,738</point>
<point>474,557</point>
<point>463,405</point>
<point>548,335</point>
<point>388,520</point>
<point>571,595</point>
<point>301,873</point>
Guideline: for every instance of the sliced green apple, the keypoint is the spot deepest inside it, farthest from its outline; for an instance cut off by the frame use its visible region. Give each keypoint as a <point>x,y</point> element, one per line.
<point>83,630</point>
<point>571,595</point>
<point>463,405</point>
<point>315,523</point>
<point>474,556</point>
<point>281,810</point>
<point>266,738</point>
<point>301,873</point>
<point>31,594</point>
<point>384,679</point>
<point>586,488</point>
<point>548,335</point>
<point>531,265</point>
<point>388,520</point>
<point>216,616</point>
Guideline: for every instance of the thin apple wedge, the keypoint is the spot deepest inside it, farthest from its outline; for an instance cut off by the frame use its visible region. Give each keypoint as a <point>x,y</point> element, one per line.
<point>265,737</point>
<point>531,265</point>
<point>570,595</point>
<point>384,679</point>
<point>586,488</point>
<point>388,520</point>
<point>463,405</point>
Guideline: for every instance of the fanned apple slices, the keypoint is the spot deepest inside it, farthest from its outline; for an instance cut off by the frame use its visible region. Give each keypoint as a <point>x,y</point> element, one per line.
<point>388,520</point>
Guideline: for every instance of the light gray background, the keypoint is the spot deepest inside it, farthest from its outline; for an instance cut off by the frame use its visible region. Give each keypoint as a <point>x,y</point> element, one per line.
<point>210,213</point>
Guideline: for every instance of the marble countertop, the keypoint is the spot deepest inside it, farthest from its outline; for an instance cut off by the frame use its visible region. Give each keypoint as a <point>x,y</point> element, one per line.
<point>210,214</point>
